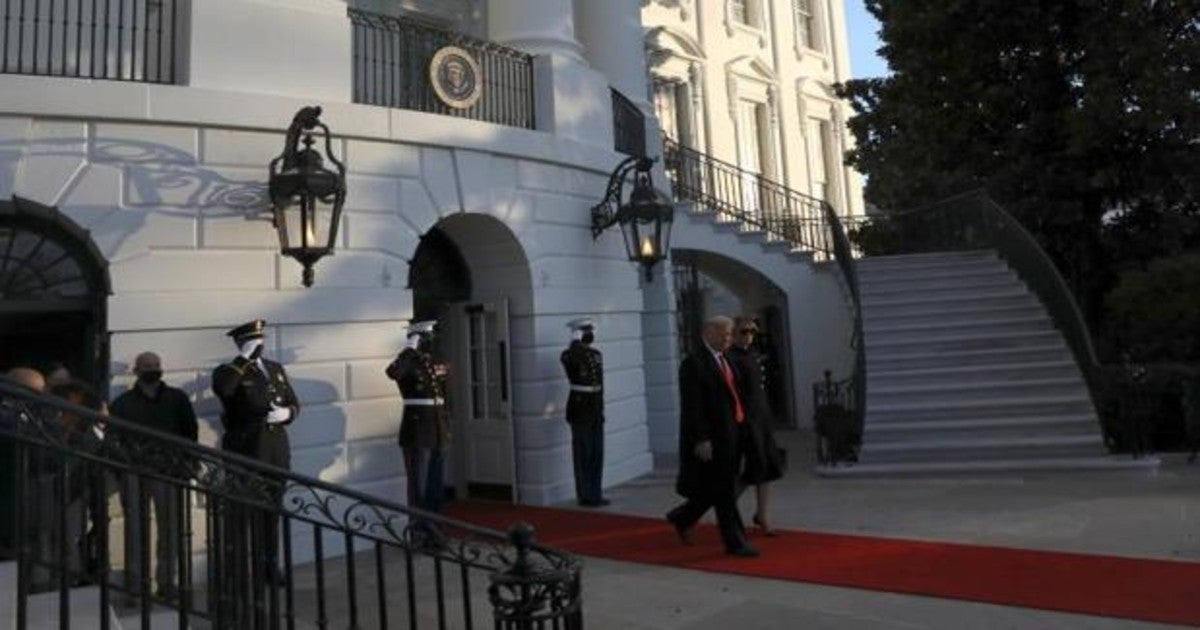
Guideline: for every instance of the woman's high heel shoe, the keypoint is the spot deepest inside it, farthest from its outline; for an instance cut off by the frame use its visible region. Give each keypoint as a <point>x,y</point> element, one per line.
<point>762,527</point>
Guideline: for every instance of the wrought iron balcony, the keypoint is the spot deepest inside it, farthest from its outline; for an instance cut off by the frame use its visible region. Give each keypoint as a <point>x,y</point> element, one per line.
<point>395,65</point>
<point>119,40</point>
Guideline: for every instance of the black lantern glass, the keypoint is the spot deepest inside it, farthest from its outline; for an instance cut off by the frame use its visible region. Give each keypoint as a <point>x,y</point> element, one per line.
<point>645,218</point>
<point>307,197</point>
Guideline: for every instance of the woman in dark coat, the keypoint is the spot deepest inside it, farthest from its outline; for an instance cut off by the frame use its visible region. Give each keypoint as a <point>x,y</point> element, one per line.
<point>764,459</point>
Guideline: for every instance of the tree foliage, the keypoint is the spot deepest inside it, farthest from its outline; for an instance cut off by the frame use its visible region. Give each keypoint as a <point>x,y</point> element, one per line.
<point>1082,117</point>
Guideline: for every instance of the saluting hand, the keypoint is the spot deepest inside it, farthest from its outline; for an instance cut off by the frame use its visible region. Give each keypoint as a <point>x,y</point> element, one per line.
<point>703,451</point>
<point>246,350</point>
<point>278,414</point>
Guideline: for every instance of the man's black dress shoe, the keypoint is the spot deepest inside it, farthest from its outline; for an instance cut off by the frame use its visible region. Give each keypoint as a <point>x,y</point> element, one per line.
<point>684,533</point>
<point>743,552</point>
<point>595,502</point>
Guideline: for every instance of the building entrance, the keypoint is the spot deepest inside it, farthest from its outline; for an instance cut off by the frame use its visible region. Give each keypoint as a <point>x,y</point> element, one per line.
<point>53,286</point>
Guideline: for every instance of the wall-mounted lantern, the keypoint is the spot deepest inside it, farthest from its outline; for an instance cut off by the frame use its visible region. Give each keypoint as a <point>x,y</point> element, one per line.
<point>306,197</point>
<point>645,218</point>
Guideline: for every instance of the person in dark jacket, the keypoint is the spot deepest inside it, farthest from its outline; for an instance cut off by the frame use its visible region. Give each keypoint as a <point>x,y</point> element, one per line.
<point>764,459</point>
<point>258,404</point>
<point>712,438</point>
<point>423,428</point>
<point>155,405</point>
<point>584,366</point>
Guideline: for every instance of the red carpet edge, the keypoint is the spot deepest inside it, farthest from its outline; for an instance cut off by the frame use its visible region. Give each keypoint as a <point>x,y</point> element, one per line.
<point>1145,589</point>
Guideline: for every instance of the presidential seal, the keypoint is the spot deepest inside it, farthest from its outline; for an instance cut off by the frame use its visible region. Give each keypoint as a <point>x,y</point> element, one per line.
<point>455,76</point>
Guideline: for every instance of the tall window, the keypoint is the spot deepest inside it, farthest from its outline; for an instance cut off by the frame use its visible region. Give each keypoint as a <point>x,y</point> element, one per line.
<point>741,13</point>
<point>819,142</point>
<point>806,23</point>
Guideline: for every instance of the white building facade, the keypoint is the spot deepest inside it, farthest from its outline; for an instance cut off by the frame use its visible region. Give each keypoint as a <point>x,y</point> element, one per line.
<point>154,186</point>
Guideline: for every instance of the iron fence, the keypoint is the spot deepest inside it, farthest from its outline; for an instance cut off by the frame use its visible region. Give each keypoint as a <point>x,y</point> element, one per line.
<point>244,545</point>
<point>392,57</point>
<point>121,40</point>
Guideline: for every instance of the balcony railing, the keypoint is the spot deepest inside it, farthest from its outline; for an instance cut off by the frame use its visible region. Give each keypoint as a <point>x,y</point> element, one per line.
<point>120,40</point>
<point>392,58</point>
<point>245,545</point>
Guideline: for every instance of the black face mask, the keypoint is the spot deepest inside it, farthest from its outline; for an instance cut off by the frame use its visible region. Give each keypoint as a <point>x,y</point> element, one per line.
<point>588,337</point>
<point>150,377</point>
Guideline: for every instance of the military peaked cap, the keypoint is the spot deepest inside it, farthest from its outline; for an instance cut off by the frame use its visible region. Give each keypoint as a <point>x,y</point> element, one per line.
<point>422,328</point>
<point>583,323</point>
<point>250,330</point>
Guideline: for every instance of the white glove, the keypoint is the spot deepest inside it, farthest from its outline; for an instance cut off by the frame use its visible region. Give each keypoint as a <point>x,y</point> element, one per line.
<point>248,347</point>
<point>278,414</point>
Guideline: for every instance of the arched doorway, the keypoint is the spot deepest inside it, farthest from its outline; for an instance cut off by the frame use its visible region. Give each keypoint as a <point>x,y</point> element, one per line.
<point>53,286</point>
<point>470,273</point>
<point>708,284</point>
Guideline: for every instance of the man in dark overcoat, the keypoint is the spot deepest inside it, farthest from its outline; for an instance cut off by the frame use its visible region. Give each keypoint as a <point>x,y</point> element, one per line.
<point>258,404</point>
<point>584,366</point>
<point>712,437</point>
<point>423,428</point>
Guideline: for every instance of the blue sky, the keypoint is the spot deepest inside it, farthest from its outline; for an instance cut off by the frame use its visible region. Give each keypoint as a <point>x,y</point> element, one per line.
<point>864,40</point>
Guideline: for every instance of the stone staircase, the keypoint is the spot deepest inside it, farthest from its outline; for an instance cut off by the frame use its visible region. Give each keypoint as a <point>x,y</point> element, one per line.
<point>966,373</point>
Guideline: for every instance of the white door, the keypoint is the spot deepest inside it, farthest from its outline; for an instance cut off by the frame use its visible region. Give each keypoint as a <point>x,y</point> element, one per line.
<point>483,439</point>
<point>749,153</point>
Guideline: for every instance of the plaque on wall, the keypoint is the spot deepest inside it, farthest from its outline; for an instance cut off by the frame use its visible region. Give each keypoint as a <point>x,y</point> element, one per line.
<point>455,76</point>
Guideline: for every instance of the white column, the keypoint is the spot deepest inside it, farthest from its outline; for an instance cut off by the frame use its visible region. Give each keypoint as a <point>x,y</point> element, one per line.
<point>538,27</point>
<point>290,47</point>
<point>612,38</point>
<point>570,99</point>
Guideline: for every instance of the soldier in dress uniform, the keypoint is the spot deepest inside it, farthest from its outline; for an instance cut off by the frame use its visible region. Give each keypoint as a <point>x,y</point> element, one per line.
<point>423,428</point>
<point>258,403</point>
<point>585,411</point>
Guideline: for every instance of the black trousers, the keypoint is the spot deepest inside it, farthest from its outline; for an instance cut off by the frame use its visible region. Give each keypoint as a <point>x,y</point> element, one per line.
<point>723,499</point>
<point>587,450</point>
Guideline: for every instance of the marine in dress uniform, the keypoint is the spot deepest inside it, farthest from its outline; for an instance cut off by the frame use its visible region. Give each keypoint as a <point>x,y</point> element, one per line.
<point>423,428</point>
<point>258,403</point>
<point>585,411</point>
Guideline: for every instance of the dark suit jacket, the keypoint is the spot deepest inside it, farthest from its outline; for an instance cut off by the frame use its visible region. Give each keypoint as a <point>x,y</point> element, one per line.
<point>706,413</point>
<point>246,395</point>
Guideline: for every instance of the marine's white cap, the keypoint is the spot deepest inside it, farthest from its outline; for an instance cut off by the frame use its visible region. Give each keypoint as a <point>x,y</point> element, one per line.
<point>579,326</point>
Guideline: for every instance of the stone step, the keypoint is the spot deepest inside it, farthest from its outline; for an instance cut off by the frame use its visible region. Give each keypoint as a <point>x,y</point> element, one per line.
<point>954,315</point>
<point>936,392</point>
<point>911,279</point>
<point>933,259</point>
<point>992,467</point>
<point>43,612</point>
<point>933,306</point>
<point>964,341</point>
<point>972,373</point>
<point>931,449</point>
<point>922,286</point>
<point>988,325</point>
<point>907,359</point>
<point>940,291</point>
<point>923,411</point>
<point>1026,426</point>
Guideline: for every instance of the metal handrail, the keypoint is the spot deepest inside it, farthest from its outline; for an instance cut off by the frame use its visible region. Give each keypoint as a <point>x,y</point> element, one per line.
<point>391,68</point>
<point>739,196</point>
<point>973,220</point>
<point>241,497</point>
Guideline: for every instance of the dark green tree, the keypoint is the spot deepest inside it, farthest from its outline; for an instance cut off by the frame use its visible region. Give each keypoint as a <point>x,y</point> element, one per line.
<point>1079,116</point>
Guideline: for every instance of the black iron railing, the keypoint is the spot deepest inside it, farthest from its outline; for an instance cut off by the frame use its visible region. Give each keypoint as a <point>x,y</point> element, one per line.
<point>629,126</point>
<point>804,222</point>
<point>973,221</point>
<point>122,40</point>
<point>392,58</point>
<point>253,546</point>
<point>736,195</point>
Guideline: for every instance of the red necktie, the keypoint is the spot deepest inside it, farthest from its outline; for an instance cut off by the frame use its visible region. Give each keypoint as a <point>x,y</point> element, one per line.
<point>739,415</point>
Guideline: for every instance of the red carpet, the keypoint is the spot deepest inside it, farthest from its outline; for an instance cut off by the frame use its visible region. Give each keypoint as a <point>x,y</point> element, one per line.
<point>1150,590</point>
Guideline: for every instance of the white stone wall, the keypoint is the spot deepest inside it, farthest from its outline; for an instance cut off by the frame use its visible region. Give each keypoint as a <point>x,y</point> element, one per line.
<point>170,184</point>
